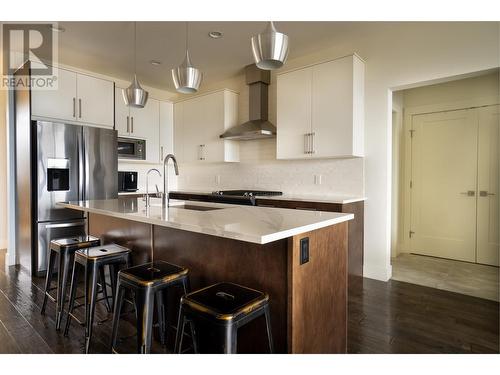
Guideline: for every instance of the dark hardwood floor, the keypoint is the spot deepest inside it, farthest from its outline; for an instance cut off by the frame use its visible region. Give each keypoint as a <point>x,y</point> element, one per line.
<point>398,317</point>
<point>393,317</point>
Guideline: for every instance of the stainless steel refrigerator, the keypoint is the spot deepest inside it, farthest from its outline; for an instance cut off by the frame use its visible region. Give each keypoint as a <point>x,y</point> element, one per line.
<point>70,163</point>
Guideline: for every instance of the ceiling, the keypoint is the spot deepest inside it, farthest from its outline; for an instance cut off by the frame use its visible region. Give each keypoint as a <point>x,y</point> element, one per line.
<point>107,47</point>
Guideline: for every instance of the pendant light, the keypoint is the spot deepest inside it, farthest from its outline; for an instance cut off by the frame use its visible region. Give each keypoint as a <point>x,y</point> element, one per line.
<point>187,78</point>
<point>270,48</point>
<point>135,95</point>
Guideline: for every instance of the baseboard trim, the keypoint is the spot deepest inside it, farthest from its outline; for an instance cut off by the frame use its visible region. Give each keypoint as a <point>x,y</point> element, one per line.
<point>378,272</point>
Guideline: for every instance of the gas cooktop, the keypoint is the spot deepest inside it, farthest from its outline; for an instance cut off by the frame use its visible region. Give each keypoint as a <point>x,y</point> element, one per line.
<point>247,193</point>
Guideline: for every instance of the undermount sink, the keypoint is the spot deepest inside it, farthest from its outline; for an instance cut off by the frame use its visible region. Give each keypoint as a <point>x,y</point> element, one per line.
<point>197,208</point>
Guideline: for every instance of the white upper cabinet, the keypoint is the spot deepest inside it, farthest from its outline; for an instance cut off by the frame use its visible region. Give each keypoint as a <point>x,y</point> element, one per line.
<point>294,117</point>
<point>320,110</point>
<point>95,100</point>
<point>57,104</point>
<point>143,123</point>
<point>198,124</point>
<point>122,114</point>
<point>166,129</point>
<point>78,98</point>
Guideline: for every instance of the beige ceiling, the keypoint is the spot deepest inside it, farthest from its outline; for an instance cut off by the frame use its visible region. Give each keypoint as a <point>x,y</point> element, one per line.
<point>107,47</point>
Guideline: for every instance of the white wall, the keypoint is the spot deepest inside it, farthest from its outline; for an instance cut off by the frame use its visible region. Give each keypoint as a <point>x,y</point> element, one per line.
<point>3,170</point>
<point>397,169</point>
<point>398,56</point>
<point>481,86</point>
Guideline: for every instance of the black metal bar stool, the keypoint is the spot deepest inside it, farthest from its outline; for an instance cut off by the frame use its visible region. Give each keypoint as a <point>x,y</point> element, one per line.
<point>227,307</point>
<point>93,260</point>
<point>148,282</point>
<point>63,250</point>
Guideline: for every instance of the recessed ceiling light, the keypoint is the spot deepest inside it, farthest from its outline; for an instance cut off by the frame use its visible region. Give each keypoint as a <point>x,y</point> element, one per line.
<point>215,34</point>
<point>58,29</point>
<point>155,62</point>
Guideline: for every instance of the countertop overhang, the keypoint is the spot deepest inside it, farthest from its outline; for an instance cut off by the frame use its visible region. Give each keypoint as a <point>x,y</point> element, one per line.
<point>259,225</point>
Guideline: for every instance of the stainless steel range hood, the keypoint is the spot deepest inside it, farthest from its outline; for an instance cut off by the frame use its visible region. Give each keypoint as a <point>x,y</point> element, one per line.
<point>258,126</point>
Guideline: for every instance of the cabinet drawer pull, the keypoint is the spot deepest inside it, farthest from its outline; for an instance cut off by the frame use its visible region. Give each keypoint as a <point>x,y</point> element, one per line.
<point>306,143</point>
<point>132,124</point>
<point>74,107</point>
<point>312,143</point>
<point>128,124</point>
<point>161,157</point>
<point>80,108</point>
<point>484,193</point>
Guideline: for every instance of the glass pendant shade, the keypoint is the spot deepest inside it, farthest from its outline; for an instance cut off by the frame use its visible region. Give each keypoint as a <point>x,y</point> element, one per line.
<point>270,48</point>
<point>135,95</point>
<point>187,78</point>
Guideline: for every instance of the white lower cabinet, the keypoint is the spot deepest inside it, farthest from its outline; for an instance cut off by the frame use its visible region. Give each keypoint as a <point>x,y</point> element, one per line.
<point>198,123</point>
<point>79,98</point>
<point>320,110</point>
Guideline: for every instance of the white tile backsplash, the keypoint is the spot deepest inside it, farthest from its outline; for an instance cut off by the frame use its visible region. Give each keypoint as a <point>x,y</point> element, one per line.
<point>259,169</point>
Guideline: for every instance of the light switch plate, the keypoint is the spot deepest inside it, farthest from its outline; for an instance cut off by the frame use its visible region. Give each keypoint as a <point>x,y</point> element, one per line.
<point>318,179</point>
<point>217,179</point>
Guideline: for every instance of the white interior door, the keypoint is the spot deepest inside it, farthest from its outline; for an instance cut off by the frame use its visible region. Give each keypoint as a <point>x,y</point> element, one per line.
<point>444,179</point>
<point>488,174</point>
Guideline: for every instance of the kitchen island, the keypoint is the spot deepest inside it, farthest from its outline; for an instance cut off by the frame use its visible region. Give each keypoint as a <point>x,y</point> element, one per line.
<point>298,257</point>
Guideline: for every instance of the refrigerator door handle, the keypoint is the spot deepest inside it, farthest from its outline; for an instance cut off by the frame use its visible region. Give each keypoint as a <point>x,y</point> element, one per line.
<point>65,225</point>
<point>81,166</point>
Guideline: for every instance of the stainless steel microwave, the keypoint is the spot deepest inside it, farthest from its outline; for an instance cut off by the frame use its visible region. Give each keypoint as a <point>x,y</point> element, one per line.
<point>130,148</point>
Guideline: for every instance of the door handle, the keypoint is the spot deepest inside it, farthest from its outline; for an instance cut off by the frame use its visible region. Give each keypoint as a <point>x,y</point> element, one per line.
<point>307,143</point>
<point>65,225</point>
<point>128,124</point>
<point>74,107</point>
<point>80,108</point>
<point>202,152</point>
<point>469,193</point>
<point>484,193</point>
<point>132,124</point>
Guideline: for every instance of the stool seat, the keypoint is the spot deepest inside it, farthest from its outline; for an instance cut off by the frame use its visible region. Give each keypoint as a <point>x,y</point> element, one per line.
<point>74,243</point>
<point>225,301</point>
<point>151,274</point>
<point>100,252</point>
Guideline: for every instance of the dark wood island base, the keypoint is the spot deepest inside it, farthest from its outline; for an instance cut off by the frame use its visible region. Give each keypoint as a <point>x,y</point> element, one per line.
<point>308,301</point>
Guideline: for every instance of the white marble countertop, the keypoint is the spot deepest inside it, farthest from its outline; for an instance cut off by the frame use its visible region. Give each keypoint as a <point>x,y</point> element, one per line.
<point>140,191</point>
<point>259,225</point>
<point>339,199</point>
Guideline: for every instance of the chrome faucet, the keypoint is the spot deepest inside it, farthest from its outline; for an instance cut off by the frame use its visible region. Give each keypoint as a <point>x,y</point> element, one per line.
<point>165,198</point>
<point>148,198</point>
